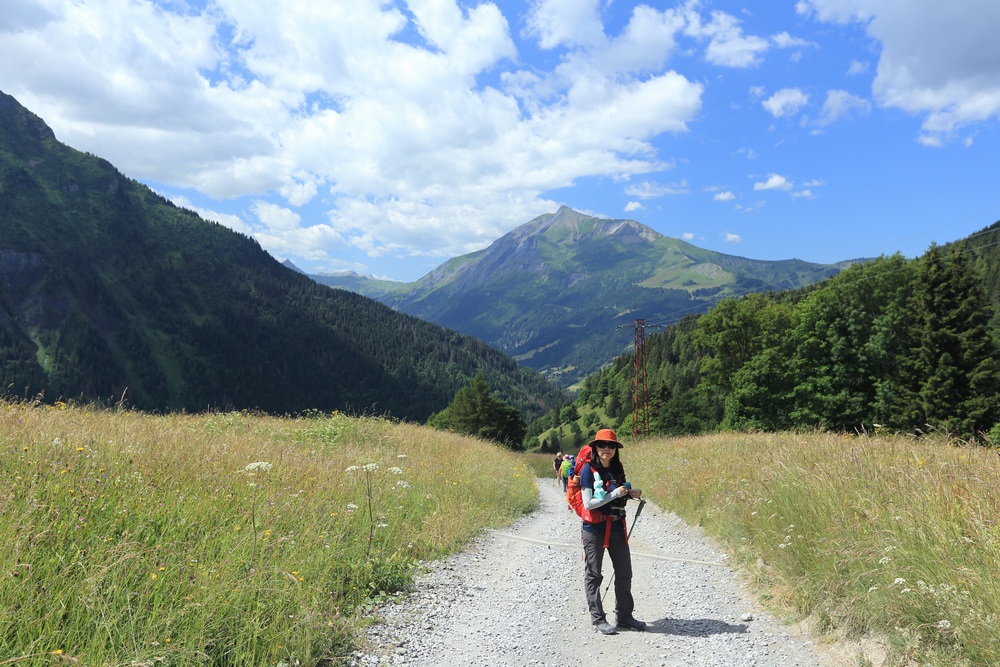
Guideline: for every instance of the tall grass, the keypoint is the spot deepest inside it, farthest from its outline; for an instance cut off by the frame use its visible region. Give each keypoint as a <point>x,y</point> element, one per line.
<point>882,534</point>
<point>223,539</point>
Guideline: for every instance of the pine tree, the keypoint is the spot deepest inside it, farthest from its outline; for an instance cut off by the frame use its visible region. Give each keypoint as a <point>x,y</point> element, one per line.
<point>952,375</point>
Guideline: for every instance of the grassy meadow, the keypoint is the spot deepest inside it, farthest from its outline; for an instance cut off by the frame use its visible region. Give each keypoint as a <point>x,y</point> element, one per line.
<point>224,539</point>
<point>886,535</point>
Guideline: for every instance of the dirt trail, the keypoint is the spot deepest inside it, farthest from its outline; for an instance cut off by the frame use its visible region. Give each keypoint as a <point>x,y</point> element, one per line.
<point>515,597</point>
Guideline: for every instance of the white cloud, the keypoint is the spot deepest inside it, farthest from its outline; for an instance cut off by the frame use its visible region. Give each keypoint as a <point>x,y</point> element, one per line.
<point>633,206</point>
<point>728,46</point>
<point>774,182</point>
<point>857,67</point>
<point>649,189</point>
<point>806,194</point>
<point>687,236</point>
<point>733,238</point>
<point>938,60</point>
<point>815,183</point>
<point>418,129</point>
<point>840,103</point>
<point>785,102</point>
<point>724,196</point>
<point>785,41</point>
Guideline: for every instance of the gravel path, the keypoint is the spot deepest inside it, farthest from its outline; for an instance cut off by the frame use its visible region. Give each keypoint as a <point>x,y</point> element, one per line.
<point>515,597</point>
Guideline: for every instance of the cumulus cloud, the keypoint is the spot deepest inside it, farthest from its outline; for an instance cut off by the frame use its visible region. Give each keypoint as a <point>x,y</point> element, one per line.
<point>857,67</point>
<point>395,119</point>
<point>728,46</point>
<point>649,189</point>
<point>785,102</point>
<point>724,196</point>
<point>732,238</point>
<point>687,236</point>
<point>840,103</point>
<point>774,182</point>
<point>937,60</point>
<point>633,206</point>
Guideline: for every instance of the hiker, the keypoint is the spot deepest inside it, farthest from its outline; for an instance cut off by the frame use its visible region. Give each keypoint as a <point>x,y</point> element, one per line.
<point>564,471</point>
<point>556,465</point>
<point>609,533</point>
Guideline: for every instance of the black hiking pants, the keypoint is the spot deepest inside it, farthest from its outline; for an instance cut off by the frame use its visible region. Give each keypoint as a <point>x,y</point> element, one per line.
<point>621,561</point>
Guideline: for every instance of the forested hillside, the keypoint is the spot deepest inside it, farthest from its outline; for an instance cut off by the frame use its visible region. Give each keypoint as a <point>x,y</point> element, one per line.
<point>556,291</point>
<point>111,292</point>
<point>904,345</point>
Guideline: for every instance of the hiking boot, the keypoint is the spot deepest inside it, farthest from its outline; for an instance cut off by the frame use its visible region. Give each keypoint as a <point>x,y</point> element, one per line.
<point>631,624</point>
<point>605,628</point>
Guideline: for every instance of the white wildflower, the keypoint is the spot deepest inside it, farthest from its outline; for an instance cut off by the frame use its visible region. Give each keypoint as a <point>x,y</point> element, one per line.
<point>944,624</point>
<point>352,506</point>
<point>884,560</point>
<point>906,590</point>
<point>899,580</point>
<point>351,469</point>
<point>403,484</point>
<point>872,589</point>
<point>401,456</point>
<point>369,467</point>
<point>382,525</point>
<point>395,471</point>
<point>261,466</point>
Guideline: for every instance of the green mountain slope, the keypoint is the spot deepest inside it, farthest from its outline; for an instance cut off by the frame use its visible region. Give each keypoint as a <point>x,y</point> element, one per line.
<point>561,292</point>
<point>109,291</point>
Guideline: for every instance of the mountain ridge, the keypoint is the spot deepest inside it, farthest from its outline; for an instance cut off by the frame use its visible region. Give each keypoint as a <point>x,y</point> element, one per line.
<point>578,271</point>
<point>112,293</point>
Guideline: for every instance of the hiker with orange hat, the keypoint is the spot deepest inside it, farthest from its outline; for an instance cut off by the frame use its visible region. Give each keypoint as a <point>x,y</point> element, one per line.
<point>604,472</point>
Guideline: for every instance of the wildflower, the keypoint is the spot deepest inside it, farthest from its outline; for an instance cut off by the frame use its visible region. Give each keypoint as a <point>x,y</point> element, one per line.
<point>262,466</point>
<point>899,580</point>
<point>906,590</point>
<point>872,589</point>
<point>944,624</point>
<point>401,456</point>
<point>402,484</point>
<point>352,506</point>
<point>351,469</point>
<point>79,449</point>
<point>884,560</point>
<point>369,467</point>
<point>153,575</point>
<point>395,471</point>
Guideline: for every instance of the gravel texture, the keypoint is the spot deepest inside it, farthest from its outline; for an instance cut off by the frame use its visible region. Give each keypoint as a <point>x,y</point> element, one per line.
<point>515,597</point>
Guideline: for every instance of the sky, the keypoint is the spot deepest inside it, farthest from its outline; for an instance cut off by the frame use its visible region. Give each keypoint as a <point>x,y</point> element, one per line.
<point>385,137</point>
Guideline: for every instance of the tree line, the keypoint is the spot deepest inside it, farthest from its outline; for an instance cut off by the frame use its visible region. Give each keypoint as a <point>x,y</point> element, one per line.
<point>897,344</point>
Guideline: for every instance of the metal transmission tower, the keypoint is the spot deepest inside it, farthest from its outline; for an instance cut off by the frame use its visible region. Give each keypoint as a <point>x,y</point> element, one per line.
<point>640,392</point>
<point>640,397</point>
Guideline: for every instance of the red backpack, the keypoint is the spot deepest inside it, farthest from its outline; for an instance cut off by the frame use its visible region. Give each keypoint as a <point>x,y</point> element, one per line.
<point>574,495</point>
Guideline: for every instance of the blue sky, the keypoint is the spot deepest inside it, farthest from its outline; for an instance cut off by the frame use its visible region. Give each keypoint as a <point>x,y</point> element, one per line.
<point>386,137</point>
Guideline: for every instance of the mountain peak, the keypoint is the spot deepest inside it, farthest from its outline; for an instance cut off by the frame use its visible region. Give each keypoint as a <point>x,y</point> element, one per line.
<point>570,226</point>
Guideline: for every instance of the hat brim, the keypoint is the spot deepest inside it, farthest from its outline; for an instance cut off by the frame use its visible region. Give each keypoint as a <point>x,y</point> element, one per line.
<point>617,444</point>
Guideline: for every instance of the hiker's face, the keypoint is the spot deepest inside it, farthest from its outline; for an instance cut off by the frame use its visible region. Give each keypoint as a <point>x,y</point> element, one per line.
<point>606,454</point>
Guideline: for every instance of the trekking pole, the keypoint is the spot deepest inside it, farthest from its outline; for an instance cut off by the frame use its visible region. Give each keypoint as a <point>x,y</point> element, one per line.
<point>642,503</point>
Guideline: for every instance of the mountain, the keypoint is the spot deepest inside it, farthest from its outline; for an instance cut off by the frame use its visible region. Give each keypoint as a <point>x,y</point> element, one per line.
<point>561,292</point>
<point>111,292</point>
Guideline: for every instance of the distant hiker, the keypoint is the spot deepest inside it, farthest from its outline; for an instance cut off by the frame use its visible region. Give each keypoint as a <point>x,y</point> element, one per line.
<point>608,532</point>
<point>556,465</point>
<point>564,469</point>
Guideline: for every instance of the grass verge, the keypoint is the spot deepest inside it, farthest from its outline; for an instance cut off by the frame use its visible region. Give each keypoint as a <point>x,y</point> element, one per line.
<point>886,535</point>
<point>224,539</point>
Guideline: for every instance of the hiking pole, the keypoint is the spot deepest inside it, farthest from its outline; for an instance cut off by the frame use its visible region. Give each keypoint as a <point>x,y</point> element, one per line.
<point>642,503</point>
